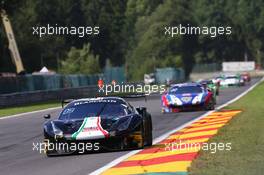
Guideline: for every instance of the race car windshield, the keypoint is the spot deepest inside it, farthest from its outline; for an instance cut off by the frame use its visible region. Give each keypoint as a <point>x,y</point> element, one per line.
<point>206,82</point>
<point>104,110</point>
<point>186,90</point>
<point>231,77</point>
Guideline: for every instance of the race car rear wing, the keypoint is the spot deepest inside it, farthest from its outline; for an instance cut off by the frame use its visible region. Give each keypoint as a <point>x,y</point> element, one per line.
<point>141,95</point>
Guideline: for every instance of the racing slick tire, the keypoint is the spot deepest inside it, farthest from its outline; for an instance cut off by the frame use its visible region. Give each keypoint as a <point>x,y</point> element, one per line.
<point>48,151</point>
<point>145,134</point>
<point>136,142</point>
<point>148,131</point>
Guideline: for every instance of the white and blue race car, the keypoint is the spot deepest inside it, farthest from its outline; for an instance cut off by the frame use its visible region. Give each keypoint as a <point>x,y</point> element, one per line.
<point>187,96</point>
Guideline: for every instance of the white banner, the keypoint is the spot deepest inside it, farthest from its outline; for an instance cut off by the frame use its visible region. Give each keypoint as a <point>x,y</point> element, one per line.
<point>238,66</point>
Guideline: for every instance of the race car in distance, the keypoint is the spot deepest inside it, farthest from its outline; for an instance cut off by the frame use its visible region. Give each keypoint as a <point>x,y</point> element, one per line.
<point>187,96</point>
<point>246,76</point>
<point>232,80</point>
<point>214,87</point>
<point>109,122</point>
<point>218,79</point>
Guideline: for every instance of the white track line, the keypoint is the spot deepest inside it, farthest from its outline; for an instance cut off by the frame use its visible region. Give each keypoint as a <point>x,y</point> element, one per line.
<point>27,113</point>
<point>164,136</point>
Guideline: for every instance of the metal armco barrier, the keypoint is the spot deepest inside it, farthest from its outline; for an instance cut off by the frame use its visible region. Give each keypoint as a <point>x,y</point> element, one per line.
<point>22,98</point>
<point>16,99</point>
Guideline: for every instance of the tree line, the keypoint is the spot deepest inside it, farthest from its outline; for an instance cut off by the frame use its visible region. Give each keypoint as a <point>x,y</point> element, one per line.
<point>132,34</point>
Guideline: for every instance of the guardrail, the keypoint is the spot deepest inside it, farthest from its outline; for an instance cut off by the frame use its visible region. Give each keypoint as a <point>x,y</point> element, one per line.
<point>16,99</point>
<point>22,98</point>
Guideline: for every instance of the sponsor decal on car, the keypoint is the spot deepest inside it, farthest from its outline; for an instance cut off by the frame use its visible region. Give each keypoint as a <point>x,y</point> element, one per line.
<point>90,129</point>
<point>186,99</point>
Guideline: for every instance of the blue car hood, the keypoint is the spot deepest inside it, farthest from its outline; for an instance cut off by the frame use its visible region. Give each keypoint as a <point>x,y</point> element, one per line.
<point>186,99</point>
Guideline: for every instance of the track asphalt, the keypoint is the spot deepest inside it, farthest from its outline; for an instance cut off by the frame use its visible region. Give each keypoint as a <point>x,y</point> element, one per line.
<point>17,135</point>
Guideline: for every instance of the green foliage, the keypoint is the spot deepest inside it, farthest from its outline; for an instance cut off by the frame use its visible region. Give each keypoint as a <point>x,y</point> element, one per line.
<point>152,43</point>
<point>247,21</point>
<point>80,61</point>
<point>132,32</point>
<point>172,61</point>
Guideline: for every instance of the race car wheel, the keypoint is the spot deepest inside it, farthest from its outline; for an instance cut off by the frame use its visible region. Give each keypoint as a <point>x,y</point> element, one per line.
<point>133,141</point>
<point>149,140</point>
<point>48,151</point>
<point>148,131</point>
<point>139,137</point>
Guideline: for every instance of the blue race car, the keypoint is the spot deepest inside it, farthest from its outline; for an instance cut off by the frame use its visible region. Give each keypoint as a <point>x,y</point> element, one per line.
<point>187,96</point>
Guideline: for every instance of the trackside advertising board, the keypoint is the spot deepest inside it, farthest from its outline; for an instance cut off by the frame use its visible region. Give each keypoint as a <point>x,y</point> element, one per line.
<point>238,66</point>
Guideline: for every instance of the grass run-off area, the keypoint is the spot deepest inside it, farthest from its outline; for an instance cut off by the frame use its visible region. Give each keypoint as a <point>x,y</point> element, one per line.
<point>28,108</point>
<point>246,134</point>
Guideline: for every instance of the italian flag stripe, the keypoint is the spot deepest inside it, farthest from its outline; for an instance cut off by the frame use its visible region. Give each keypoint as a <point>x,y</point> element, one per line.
<point>74,135</point>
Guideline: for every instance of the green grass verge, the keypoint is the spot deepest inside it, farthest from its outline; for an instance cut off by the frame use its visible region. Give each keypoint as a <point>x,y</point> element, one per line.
<point>28,108</point>
<point>246,134</point>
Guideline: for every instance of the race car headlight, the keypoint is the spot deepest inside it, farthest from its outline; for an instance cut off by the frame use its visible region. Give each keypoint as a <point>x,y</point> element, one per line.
<point>45,128</point>
<point>123,126</point>
<point>57,132</point>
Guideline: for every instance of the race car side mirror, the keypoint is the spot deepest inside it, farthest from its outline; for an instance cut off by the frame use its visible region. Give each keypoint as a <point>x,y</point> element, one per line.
<point>46,116</point>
